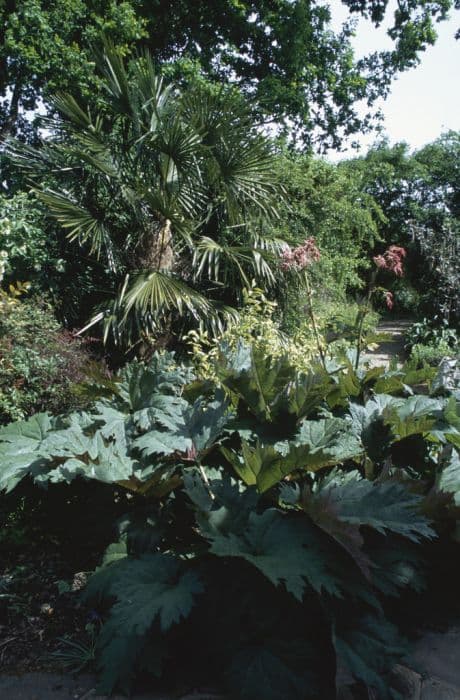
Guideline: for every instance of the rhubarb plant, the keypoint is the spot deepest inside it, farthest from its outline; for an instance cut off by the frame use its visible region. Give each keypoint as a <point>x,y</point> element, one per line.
<point>276,514</point>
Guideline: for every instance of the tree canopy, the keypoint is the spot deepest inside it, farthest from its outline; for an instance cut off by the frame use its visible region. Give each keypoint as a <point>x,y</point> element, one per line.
<point>283,54</point>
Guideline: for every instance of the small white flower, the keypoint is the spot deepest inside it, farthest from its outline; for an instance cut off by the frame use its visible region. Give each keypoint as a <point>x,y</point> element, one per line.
<point>3,254</point>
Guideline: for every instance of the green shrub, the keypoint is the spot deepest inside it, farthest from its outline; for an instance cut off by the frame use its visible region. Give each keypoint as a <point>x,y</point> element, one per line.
<point>257,325</point>
<point>434,331</point>
<point>28,249</point>
<point>339,320</point>
<point>429,340</point>
<point>276,518</point>
<point>40,363</point>
<point>431,354</point>
<point>406,298</point>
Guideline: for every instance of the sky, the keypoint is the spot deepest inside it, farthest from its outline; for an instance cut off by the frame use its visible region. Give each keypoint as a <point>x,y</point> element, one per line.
<point>424,101</point>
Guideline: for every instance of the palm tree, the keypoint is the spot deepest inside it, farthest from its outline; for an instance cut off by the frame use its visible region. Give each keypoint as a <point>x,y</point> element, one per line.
<point>169,190</point>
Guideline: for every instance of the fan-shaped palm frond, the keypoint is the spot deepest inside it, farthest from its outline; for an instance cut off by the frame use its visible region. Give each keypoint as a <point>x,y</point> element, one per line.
<point>210,257</point>
<point>116,83</point>
<point>164,185</point>
<point>83,226</point>
<point>240,164</point>
<point>67,104</point>
<point>143,306</point>
<point>159,292</point>
<point>154,97</point>
<point>220,262</point>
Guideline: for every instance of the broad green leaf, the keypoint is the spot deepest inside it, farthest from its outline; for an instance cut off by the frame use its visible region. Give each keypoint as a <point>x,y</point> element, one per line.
<point>369,424</point>
<point>342,503</point>
<point>197,490</point>
<point>305,393</point>
<point>22,451</point>
<point>449,478</point>
<point>262,466</point>
<point>385,506</point>
<point>322,509</point>
<point>155,591</point>
<point>14,467</point>
<point>325,442</point>
<point>415,415</point>
<point>27,435</point>
<point>256,379</point>
<point>158,442</point>
<point>154,586</point>
<point>317,444</point>
<point>114,423</point>
<point>163,410</point>
<point>286,550</point>
<point>206,421</point>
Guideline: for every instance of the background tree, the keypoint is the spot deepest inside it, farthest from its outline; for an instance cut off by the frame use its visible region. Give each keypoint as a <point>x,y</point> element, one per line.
<point>283,54</point>
<point>44,47</point>
<point>328,203</point>
<point>420,199</point>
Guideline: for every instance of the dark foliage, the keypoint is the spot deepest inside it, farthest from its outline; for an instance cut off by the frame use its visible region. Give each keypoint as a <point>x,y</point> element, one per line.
<point>274,518</point>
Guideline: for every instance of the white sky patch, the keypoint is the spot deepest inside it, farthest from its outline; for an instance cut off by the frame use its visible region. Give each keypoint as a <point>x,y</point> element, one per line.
<point>425,101</point>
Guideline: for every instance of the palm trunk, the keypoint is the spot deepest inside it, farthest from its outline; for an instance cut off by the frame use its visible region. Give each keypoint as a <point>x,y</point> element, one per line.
<point>155,254</point>
<point>155,251</point>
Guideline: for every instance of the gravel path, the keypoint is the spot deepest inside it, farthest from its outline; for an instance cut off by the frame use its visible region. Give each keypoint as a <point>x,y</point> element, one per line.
<point>393,346</point>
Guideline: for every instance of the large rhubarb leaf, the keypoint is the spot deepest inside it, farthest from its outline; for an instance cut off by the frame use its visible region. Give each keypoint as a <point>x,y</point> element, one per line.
<point>47,451</point>
<point>257,379</point>
<point>412,416</point>
<point>205,422</point>
<point>22,449</point>
<point>161,442</point>
<point>318,444</point>
<point>322,443</point>
<point>368,423</point>
<point>342,503</point>
<point>306,392</point>
<point>140,382</point>
<point>156,588</point>
<point>386,506</point>
<point>260,465</point>
<point>449,478</point>
<point>286,550</point>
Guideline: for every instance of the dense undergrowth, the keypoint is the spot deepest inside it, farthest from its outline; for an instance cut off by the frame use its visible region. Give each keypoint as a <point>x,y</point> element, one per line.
<point>41,363</point>
<point>271,519</point>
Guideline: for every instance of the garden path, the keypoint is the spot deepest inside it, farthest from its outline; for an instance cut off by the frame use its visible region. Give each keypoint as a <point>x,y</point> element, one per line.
<point>393,346</point>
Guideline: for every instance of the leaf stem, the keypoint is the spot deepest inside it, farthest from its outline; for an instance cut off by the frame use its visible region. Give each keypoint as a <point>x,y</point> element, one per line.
<point>312,316</point>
